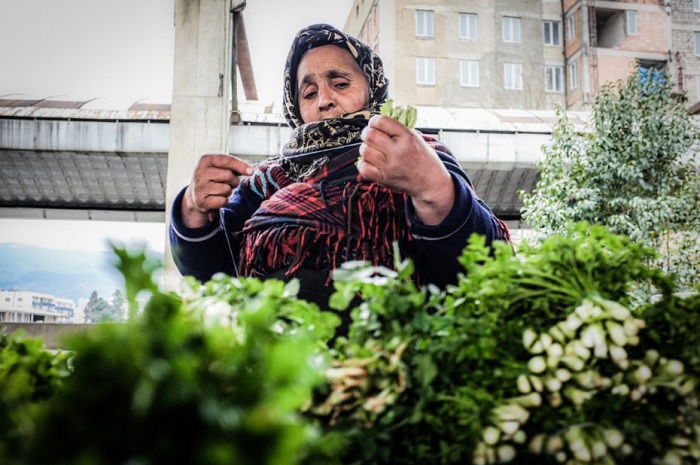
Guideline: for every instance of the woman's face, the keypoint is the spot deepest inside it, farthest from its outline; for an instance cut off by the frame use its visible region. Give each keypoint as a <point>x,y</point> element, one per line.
<point>329,84</point>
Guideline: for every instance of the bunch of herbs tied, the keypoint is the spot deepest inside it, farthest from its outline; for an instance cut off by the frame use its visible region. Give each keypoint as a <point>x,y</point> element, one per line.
<point>534,358</point>
<point>173,385</point>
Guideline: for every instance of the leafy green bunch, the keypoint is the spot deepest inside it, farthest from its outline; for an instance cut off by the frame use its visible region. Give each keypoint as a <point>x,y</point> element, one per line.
<point>406,115</point>
<point>536,357</point>
<point>29,377</point>
<point>174,385</point>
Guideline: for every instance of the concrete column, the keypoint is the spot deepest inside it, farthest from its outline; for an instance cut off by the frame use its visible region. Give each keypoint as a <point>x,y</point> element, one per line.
<point>200,111</point>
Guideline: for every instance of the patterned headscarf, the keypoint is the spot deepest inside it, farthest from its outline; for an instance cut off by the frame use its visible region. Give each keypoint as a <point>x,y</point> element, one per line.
<point>333,132</point>
<point>318,35</point>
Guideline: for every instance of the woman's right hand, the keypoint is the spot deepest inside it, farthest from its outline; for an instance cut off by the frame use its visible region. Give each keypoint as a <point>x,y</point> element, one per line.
<point>213,181</point>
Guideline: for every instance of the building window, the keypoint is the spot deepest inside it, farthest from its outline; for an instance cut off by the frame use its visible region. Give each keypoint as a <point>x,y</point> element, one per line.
<point>631,22</point>
<point>697,87</point>
<point>571,27</point>
<point>554,78</point>
<point>425,71</point>
<point>511,29</point>
<point>424,23</point>
<point>696,5</point>
<point>552,34</point>
<point>513,76</point>
<point>467,26</point>
<point>697,44</point>
<point>573,76</point>
<point>469,73</point>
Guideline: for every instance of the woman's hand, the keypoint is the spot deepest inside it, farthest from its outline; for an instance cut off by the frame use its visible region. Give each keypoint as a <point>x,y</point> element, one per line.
<point>398,158</point>
<point>212,184</point>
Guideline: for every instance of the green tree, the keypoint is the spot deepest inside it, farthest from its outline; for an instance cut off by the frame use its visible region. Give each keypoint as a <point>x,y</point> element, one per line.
<point>98,310</point>
<point>634,172</point>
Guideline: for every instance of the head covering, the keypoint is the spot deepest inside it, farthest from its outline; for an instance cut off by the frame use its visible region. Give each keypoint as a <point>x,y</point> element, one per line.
<point>318,35</point>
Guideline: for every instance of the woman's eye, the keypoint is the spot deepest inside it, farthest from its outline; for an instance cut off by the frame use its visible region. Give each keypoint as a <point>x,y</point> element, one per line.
<point>342,85</point>
<point>309,95</point>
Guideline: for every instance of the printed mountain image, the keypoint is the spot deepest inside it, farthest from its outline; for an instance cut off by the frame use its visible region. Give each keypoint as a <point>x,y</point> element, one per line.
<point>62,273</point>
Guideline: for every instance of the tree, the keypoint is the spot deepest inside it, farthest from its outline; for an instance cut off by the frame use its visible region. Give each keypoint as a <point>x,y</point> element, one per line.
<point>635,172</point>
<point>98,310</point>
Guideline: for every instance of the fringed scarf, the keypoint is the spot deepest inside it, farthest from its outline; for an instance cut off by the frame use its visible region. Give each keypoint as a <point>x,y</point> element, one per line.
<point>318,216</point>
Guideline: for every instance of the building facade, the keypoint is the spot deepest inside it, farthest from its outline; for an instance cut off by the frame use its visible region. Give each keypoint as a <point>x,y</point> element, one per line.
<point>34,307</point>
<point>529,54</point>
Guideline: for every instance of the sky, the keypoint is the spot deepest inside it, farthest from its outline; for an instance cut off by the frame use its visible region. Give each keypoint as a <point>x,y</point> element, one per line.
<point>118,52</point>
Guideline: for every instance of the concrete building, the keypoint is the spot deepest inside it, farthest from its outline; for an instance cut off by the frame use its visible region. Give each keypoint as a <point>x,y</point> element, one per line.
<point>530,54</point>
<point>33,307</point>
<point>467,54</point>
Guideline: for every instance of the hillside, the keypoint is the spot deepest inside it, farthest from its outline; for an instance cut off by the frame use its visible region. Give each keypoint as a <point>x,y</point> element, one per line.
<point>63,273</point>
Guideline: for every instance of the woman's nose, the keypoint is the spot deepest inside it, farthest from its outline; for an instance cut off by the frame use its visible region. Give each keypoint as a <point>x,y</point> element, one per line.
<point>326,99</point>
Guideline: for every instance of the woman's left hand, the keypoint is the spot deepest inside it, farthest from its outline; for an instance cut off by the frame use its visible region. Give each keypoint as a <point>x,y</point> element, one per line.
<point>398,158</point>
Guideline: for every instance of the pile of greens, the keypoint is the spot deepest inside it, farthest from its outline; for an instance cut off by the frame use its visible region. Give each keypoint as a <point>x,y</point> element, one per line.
<point>539,357</point>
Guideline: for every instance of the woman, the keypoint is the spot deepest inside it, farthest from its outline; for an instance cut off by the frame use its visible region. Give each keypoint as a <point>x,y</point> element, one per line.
<point>304,213</point>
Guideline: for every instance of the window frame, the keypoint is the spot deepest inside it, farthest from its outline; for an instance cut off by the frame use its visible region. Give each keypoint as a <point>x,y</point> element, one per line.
<point>573,76</point>
<point>696,5</point>
<point>516,77</point>
<point>631,22</point>
<point>474,69</point>
<point>560,78</point>
<point>429,71</point>
<point>696,46</point>
<point>571,27</point>
<point>425,24</point>
<point>469,34</point>
<point>555,39</point>
<point>511,21</point>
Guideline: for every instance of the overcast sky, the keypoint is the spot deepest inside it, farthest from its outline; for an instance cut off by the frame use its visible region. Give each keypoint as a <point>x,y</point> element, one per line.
<point>119,52</point>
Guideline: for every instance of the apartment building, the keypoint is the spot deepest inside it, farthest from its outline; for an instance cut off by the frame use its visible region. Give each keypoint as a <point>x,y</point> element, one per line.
<point>526,54</point>
<point>33,307</point>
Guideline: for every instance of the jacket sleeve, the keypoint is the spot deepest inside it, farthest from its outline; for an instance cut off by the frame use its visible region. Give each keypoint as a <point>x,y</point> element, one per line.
<point>439,246</point>
<point>205,251</point>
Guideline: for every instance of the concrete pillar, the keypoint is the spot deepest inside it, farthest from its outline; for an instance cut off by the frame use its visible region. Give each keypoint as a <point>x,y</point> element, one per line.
<point>201,108</point>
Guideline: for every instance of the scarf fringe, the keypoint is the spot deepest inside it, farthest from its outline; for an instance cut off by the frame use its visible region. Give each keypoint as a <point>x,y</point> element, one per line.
<point>373,222</point>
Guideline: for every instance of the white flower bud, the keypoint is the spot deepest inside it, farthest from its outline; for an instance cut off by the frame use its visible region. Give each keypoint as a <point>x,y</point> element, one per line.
<point>598,449</point>
<point>613,437</point>
<point>505,453</point>
<point>617,353</point>
<point>555,350</point>
<point>673,368</point>
<point>510,427</point>
<point>560,456</point>
<point>553,384</point>
<point>617,310</point>
<point>616,332</point>
<point>491,435</point>
<point>537,364</point>
<point>536,444</point>
<point>554,444</point>
<point>529,338</point>
<point>577,348</point>
<point>571,324</point>
<point>632,326</point>
<point>563,375</point>
<point>642,374</point>
<point>672,457</point>
<point>621,389</point>
<point>536,383</point>
<point>574,363</point>
<point>520,437</point>
<point>557,334</point>
<point>546,341</point>
<point>585,310</point>
<point>523,384</point>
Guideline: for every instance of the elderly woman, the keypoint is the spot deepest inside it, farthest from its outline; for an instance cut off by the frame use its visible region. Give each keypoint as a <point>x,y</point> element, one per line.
<point>305,212</point>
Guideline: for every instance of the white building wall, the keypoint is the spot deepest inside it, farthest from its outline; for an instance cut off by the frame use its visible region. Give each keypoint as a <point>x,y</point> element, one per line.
<point>28,307</point>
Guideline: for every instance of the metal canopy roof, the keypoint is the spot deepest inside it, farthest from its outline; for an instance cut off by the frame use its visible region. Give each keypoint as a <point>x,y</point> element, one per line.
<point>63,155</point>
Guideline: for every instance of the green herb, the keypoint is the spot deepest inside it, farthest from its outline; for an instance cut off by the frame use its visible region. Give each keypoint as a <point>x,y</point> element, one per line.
<point>405,115</point>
